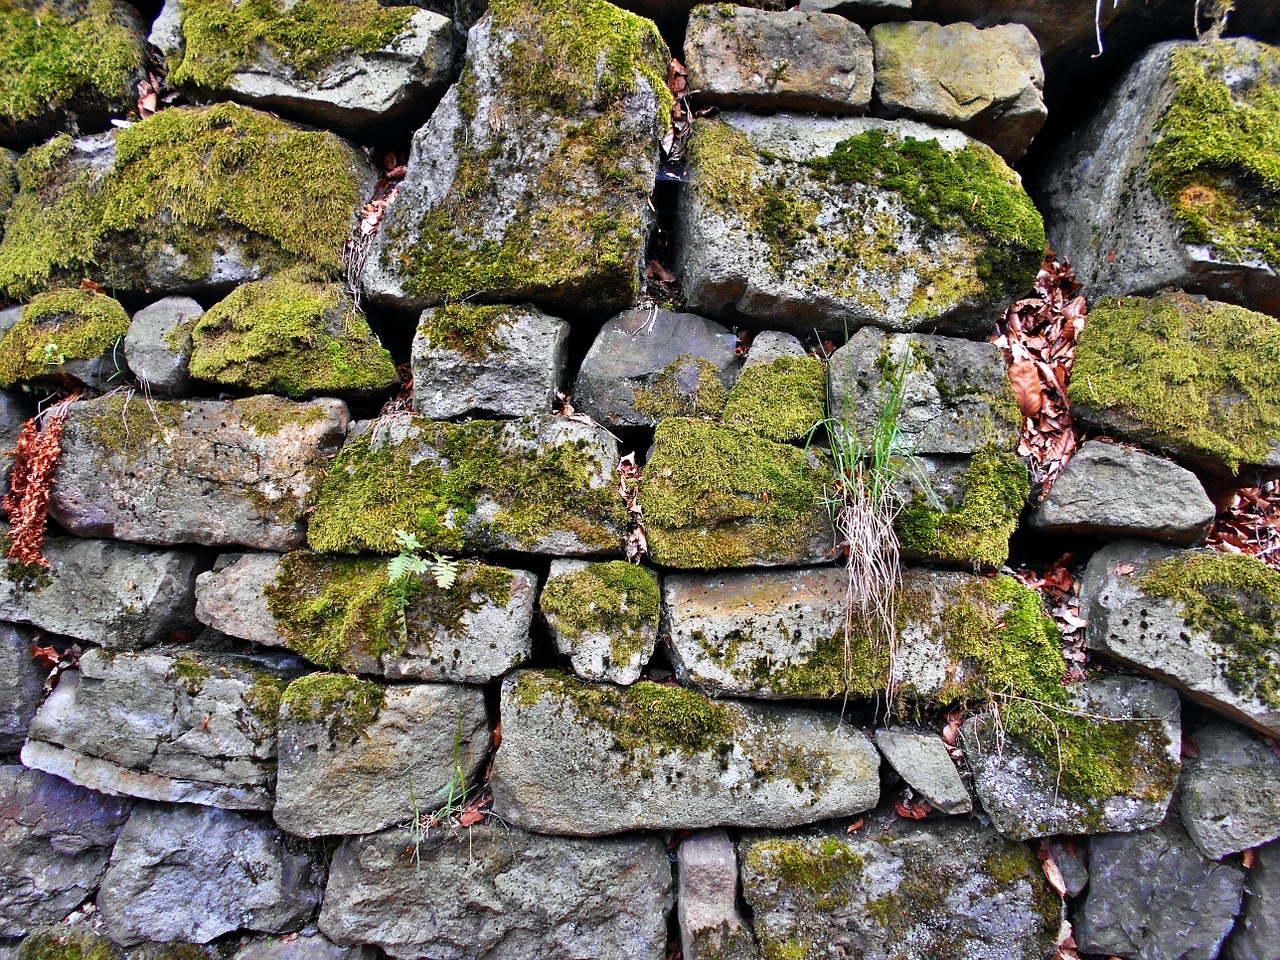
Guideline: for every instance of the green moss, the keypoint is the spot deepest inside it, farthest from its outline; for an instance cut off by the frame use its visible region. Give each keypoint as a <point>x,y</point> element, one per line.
<point>671,394</point>
<point>780,400</point>
<point>1194,375</point>
<point>345,705</point>
<point>285,335</point>
<point>8,184</point>
<point>264,697</point>
<point>269,415</point>
<point>615,598</point>
<point>824,868</point>
<point>467,329</point>
<point>58,326</point>
<point>59,943</point>
<point>192,674</point>
<point>221,37</point>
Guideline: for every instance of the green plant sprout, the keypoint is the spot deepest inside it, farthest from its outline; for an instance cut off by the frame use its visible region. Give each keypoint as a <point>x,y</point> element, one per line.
<point>405,567</point>
<point>455,794</point>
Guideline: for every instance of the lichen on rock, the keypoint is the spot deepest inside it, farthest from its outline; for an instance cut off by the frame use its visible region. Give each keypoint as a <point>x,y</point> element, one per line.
<point>60,326</point>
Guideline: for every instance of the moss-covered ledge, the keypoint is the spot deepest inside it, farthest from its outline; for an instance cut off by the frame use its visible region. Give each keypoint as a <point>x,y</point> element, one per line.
<point>57,330</point>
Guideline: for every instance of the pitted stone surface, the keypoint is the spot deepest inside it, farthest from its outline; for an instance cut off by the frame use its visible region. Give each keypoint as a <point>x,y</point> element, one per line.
<point>1231,791</point>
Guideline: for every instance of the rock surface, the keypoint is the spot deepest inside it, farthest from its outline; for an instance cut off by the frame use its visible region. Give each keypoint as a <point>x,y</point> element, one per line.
<point>603,616</point>
<point>21,682</point>
<point>1230,791</point>
<point>158,345</point>
<point>307,945</point>
<point>922,760</point>
<point>782,391</point>
<point>1256,935</point>
<point>711,925</point>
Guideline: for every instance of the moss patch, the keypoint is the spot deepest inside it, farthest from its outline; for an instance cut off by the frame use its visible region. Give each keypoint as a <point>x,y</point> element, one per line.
<point>826,868</point>
<point>686,387</point>
<point>780,400</point>
<point>474,332</point>
<point>58,326</point>
<point>344,705</point>
<point>59,943</point>
<point>616,599</point>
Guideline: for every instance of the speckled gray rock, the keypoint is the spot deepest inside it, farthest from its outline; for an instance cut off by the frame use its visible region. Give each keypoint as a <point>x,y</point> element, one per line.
<point>1030,793</point>
<point>512,367</point>
<point>158,345</point>
<point>1230,793</point>
<point>55,839</point>
<point>171,723</point>
<point>118,595</point>
<point>922,760</point>
<point>511,896</point>
<point>711,925</point>
<point>21,680</point>
<point>338,779</point>
<point>1256,935</point>
<point>307,945</point>
<point>1112,491</point>
<point>1151,894</point>
<point>192,874</point>
<point>571,764</point>
<point>603,617</point>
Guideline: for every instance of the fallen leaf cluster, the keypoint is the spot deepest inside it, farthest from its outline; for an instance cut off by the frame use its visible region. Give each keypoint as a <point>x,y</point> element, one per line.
<point>1059,588</point>
<point>637,544</point>
<point>675,142</point>
<point>35,457</point>
<point>392,167</point>
<point>58,662</point>
<point>1250,524</point>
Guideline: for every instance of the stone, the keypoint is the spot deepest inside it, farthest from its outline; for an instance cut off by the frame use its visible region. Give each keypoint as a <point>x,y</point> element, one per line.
<point>1256,935</point>
<point>1113,491</point>
<point>55,839</point>
<point>797,224</point>
<point>791,60</point>
<point>863,11</point>
<point>922,760</point>
<point>509,197</point>
<point>1199,620</point>
<point>21,683</point>
<point>711,924</point>
<point>356,758</point>
<point>1071,856</point>
<point>375,71</point>
<point>781,393</point>
<point>173,723</point>
<point>1168,206</point>
<point>645,365</point>
<point>158,345</point>
<point>1106,761</point>
<point>511,895</point>
<point>585,760</point>
<point>603,617</point>
<point>213,472</point>
<point>473,361</point>
<point>1230,792</point>
<point>307,945</point>
<point>15,410</point>
<point>933,888</point>
<point>541,485</point>
<point>987,83</point>
<point>193,874</point>
<point>1151,894</point>
<point>118,595</point>
<point>72,939</point>
<point>64,339</point>
<point>332,610</point>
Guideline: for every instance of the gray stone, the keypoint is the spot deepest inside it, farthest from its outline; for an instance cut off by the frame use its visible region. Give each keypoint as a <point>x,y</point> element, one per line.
<point>603,617</point>
<point>1151,894</point>
<point>307,945</point>
<point>21,682</point>
<point>1035,786</point>
<point>935,888</point>
<point>770,345</point>
<point>922,760</point>
<point>192,874</point>
<point>1230,793</point>
<point>711,925</point>
<point>1070,854</point>
<point>158,345</point>
<point>1128,622</point>
<point>230,598</point>
<point>118,595</point>
<point>864,11</point>
<point>341,775</point>
<point>15,410</point>
<point>175,724</point>
<point>512,366</point>
<point>575,760</point>
<point>498,892</point>
<point>194,471</point>
<point>1111,491</point>
<point>1256,935</point>
<point>987,83</point>
<point>55,839</point>
<point>648,364</point>
<point>791,60</point>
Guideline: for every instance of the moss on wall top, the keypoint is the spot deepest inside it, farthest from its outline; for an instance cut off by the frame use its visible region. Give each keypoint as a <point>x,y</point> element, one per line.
<point>58,326</point>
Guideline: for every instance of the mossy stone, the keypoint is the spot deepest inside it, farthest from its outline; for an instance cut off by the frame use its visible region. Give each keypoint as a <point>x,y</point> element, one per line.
<point>59,327</point>
<point>343,704</point>
<point>605,616</point>
<point>779,400</point>
<point>62,943</point>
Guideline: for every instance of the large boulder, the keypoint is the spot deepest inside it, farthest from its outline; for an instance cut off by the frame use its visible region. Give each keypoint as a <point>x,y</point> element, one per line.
<point>158,345</point>
<point>711,922</point>
<point>194,471</point>
<point>66,337</point>
<point>603,616</point>
<point>1256,935</point>
<point>531,180</point>
<point>802,224</point>
<point>1230,791</point>
<point>21,683</point>
<point>511,895</point>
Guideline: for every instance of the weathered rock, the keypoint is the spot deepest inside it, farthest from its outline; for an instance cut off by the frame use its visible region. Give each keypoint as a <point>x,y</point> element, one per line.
<point>792,60</point>
<point>21,682</point>
<point>118,595</point>
<point>716,497</point>
<point>799,224</point>
<point>374,69</point>
<point>175,724</point>
<point>193,199</point>
<point>307,945</point>
<point>67,337</point>
<point>1071,856</point>
<point>1110,490</point>
<point>646,365</point>
<point>1230,792</point>
<point>1075,770</point>
<point>334,612</point>
<point>1151,894</point>
<point>937,889</point>
<point>158,345</point>
<point>1183,375</point>
<point>1256,935</point>
<point>863,11</point>
<point>55,839</point>
<point>1178,201</point>
<point>711,925</point>
<point>502,361</point>
<point>540,485</point>
<point>192,874</point>
<point>1202,621</point>
<point>15,410</point>
<point>356,758</point>
<point>603,616</point>
<point>583,760</point>
<point>987,83</point>
<point>194,471</point>
<point>922,760</point>
<point>782,391</point>
<point>531,180</point>
<point>511,895</point>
